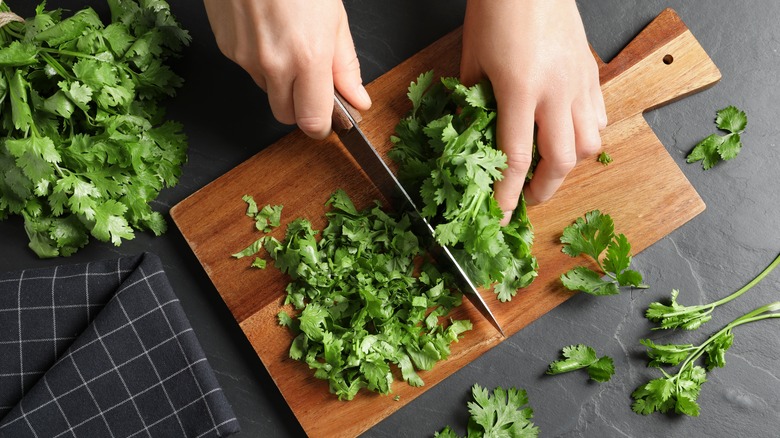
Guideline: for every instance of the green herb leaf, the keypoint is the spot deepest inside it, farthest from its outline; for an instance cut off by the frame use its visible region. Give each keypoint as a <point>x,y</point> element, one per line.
<point>582,356</point>
<point>592,235</point>
<point>716,147</point>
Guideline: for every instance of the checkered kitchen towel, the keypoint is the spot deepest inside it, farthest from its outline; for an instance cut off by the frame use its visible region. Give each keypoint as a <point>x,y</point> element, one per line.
<point>103,350</point>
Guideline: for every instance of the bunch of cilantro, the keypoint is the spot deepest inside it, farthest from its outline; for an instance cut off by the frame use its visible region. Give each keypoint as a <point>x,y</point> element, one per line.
<point>447,154</point>
<point>84,146</point>
<point>366,300</point>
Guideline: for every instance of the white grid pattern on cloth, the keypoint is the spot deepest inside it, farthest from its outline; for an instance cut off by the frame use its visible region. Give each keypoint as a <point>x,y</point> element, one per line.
<point>137,371</point>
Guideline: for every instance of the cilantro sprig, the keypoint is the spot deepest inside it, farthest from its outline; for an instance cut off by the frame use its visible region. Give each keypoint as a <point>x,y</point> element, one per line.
<point>361,306</point>
<point>84,145</point>
<point>581,356</point>
<point>502,414</point>
<point>679,392</point>
<point>447,155</point>
<point>674,315</point>
<point>592,235</point>
<point>717,147</point>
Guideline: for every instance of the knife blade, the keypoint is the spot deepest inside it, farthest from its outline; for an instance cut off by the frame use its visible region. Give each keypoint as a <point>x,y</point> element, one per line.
<point>346,125</point>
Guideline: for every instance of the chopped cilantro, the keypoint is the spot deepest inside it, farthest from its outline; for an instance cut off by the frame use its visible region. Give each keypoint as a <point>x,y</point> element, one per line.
<point>592,235</point>
<point>364,303</point>
<point>84,145</point>
<point>721,147</point>
<point>604,158</point>
<point>502,414</point>
<point>581,356</point>
<point>447,156</point>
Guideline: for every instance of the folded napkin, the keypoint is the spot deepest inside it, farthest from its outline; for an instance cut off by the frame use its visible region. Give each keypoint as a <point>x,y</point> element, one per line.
<point>103,350</point>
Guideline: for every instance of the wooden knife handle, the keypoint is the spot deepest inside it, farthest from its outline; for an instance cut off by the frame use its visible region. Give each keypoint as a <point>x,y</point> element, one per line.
<point>341,122</point>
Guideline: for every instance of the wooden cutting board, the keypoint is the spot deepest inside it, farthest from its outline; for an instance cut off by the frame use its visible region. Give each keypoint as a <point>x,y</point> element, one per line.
<point>643,190</point>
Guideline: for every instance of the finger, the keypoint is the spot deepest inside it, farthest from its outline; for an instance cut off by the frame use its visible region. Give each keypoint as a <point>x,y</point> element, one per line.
<point>587,140</point>
<point>313,100</point>
<point>346,70</point>
<point>280,99</point>
<point>515,131</point>
<point>597,100</point>
<point>555,143</point>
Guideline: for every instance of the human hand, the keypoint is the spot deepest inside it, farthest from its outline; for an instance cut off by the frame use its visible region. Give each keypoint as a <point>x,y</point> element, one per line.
<point>537,58</point>
<point>297,51</point>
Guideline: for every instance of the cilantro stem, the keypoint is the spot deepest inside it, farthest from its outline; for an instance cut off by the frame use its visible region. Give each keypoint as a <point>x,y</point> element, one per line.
<point>756,315</point>
<point>55,65</point>
<point>70,53</point>
<point>748,286</point>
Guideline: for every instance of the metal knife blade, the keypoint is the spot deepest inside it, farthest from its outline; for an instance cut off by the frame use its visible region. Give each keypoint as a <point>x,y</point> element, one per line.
<point>345,124</point>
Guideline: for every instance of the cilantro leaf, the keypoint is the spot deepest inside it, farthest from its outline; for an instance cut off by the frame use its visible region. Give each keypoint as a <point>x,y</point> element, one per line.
<point>582,356</point>
<point>604,158</point>
<point>715,148</point>
<point>592,235</point>
<point>502,414</point>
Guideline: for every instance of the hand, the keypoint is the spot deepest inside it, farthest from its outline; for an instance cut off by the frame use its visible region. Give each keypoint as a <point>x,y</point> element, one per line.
<point>537,58</point>
<point>295,50</point>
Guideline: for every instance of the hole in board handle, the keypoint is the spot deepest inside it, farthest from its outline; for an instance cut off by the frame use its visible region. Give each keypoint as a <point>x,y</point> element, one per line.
<point>668,59</point>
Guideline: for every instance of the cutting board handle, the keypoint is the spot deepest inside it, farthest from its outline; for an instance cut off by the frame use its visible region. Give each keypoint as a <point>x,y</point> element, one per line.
<point>665,48</point>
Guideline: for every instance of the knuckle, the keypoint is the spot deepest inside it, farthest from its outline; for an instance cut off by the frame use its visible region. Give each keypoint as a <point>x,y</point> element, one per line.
<point>561,167</point>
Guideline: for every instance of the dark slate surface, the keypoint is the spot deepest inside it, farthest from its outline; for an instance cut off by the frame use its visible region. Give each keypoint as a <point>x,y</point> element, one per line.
<point>228,120</point>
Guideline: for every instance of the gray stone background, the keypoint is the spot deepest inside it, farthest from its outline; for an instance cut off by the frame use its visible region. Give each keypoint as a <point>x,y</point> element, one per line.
<point>228,120</point>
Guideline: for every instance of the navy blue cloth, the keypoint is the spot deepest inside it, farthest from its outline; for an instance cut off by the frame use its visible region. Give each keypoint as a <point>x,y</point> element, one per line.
<point>103,350</point>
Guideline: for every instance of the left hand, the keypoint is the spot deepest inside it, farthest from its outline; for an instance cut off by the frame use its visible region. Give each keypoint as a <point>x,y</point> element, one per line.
<point>537,57</point>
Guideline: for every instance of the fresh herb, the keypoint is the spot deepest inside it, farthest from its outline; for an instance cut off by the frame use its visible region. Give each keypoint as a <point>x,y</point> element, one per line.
<point>592,235</point>
<point>362,305</point>
<point>675,315</point>
<point>716,147</point>
<point>84,145</point>
<point>581,356</point>
<point>502,414</point>
<point>678,392</point>
<point>266,218</point>
<point>604,158</point>
<point>447,155</point>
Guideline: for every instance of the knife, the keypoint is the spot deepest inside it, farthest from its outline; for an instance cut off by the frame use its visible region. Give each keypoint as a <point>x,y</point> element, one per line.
<point>345,125</point>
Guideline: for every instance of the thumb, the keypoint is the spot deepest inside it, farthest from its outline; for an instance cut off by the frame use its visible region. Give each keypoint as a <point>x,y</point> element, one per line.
<point>346,70</point>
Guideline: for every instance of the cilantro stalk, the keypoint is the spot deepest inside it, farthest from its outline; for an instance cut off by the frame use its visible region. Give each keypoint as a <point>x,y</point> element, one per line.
<point>678,392</point>
<point>675,315</point>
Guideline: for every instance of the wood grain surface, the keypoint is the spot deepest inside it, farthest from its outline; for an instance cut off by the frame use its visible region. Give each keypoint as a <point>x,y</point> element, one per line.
<point>643,190</point>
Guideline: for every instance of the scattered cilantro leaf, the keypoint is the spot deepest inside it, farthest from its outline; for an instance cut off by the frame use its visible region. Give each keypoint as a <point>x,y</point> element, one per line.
<point>367,298</point>
<point>448,157</point>
<point>604,158</point>
<point>83,141</point>
<point>674,315</point>
<point>592,235</point>
<point>501,414</point>
<point>679,392</point>
<point>715,148</point>
<point>582,356</point>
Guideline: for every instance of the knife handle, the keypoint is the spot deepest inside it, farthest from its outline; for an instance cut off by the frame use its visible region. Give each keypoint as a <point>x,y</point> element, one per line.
<point>341,122</point>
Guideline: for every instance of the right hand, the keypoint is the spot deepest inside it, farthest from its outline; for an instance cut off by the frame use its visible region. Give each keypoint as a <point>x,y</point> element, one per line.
<point>297,51</point>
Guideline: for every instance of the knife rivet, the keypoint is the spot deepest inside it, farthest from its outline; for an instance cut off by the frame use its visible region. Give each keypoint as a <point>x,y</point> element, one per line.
<point>668,59</point>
